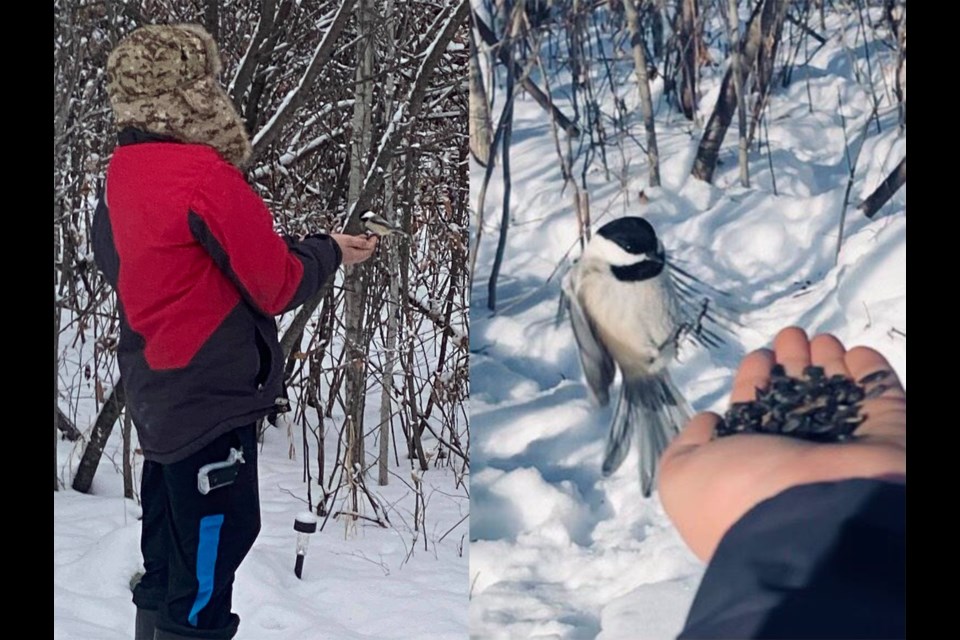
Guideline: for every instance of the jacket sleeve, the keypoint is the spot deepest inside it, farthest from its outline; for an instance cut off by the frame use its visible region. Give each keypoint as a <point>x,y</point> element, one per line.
<point>824,560</point>
<point>104,250</point>
<point>273,273</point>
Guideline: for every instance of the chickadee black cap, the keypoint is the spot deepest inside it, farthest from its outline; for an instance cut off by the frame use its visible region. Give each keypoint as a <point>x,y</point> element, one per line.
<point>634,235</point>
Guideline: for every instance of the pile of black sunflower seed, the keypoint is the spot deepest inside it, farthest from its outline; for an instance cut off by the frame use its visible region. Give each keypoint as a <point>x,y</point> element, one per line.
<point>814,407</point>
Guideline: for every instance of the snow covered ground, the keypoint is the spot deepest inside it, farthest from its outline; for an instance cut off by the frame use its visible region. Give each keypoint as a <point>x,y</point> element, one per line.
<point>358,582</point>
<point>557,550</point>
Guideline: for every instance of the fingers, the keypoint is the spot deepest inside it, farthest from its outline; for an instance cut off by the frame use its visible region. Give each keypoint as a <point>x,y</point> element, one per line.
<point>825,350</point>
<point>792,350</point>
<point>753,374</point>
<point>864,361</point>
<point>885,405</point>
<point>355,249</point>
<point>828,352</point>
<point>360,243</point>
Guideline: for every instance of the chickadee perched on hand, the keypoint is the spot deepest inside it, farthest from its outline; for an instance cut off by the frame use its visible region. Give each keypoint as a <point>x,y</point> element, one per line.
<point>627,313</point>
<point>379,226</point>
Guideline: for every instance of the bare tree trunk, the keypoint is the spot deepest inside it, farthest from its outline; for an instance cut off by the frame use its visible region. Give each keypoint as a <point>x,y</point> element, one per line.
<point>655,15</point>
<point>489,167</point>
<point>355,296</point>
<point>386,396</point>
<point>772,30</point>
<point>211,18</point>
<point>687,39</point>
<point>761,23</point>
<point>393,295</point>
<point>411,184</point>
<point>127,454</point>
<point>507,121</point>
<point>901,86</point>
<point>56,390</point>
<point>98,438</point>
<point>414,442</point>
<point>241,80</point>
<point>65,426</point>
<point>480,124</point>
<point>891,184</point>
<point>406,356</point>
<point>643,86</point>
<point>325,338</point>
<point>733,20</point>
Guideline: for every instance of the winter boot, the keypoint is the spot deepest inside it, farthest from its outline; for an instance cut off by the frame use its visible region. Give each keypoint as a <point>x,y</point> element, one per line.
<point>146,624</point>
<point>169,635</point>
<point>177,632</point>
<point>164,634</point>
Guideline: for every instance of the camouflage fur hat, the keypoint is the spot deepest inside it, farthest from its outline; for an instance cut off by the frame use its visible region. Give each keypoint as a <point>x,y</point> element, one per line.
<point>163,79</point>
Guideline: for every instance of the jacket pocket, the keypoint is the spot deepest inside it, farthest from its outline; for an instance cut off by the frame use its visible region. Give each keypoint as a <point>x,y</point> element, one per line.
<point>270,369</point>
<point>264,357</point>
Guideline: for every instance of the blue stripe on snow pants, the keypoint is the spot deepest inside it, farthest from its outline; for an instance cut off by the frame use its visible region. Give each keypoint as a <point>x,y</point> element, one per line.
<point>192,544</point>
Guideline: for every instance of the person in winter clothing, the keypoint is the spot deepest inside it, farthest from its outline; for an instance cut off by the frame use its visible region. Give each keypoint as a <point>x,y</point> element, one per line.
<point>199,273</point>
<point>803,539</point>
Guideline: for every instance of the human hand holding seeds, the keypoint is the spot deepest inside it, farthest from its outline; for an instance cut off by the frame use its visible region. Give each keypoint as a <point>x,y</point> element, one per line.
<point>708,483</point>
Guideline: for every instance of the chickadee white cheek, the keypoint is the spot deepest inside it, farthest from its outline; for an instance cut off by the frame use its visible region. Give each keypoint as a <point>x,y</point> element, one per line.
<point>610,253</point>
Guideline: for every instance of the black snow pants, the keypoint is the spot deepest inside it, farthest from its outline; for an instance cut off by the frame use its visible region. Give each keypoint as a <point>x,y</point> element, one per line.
<point>192,544</point>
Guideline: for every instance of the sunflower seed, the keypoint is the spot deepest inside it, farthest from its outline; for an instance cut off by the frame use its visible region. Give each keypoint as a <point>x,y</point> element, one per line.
<point>873,377</point>
<point>876,391</point>
<point>813,406</point>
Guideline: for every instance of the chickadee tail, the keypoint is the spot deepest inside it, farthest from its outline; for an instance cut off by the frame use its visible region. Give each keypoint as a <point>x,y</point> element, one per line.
<point>655,409</point>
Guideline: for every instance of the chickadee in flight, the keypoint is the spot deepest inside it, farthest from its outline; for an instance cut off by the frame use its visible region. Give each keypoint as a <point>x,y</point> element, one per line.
<point>379,226</point>
<point>630,312</point>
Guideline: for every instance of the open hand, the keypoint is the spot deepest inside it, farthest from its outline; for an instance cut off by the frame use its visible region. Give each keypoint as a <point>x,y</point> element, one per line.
<point>707,484</point>
<point>355,249</point>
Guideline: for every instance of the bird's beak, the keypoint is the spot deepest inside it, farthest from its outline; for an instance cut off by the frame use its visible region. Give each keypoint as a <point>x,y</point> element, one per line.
<point>657,257</point>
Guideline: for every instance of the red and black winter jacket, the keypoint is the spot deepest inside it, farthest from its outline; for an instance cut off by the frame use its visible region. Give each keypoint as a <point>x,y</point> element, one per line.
<point>199,273</point>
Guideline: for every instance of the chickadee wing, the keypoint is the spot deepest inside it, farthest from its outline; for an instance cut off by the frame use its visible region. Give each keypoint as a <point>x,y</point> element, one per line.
<point>620,435</point>
<point>598,366</point>
<point>707,312</point>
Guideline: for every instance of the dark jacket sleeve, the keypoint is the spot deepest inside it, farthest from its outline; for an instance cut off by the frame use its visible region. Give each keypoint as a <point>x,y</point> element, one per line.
<point>104,251</point>
<point>824,560</point>
<point>234,225</point>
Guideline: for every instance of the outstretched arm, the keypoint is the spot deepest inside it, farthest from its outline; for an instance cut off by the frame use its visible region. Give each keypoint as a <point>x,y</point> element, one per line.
<point>803,539</point>
<point>235,226</point>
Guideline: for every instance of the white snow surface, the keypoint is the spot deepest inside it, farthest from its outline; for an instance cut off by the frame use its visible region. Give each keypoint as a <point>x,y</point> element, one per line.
<point>558,551</point>
<point>359,581</point>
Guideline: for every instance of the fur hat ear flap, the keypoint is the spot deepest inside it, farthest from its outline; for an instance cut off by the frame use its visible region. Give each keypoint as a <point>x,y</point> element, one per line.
<point>214,64</point>
<point>163,79</point>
